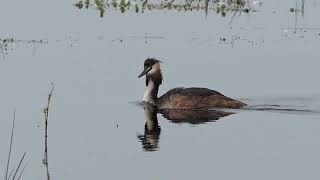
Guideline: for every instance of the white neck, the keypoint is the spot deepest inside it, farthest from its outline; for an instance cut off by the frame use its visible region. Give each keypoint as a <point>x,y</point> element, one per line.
<point>148,97</point>
<point>154,79</point>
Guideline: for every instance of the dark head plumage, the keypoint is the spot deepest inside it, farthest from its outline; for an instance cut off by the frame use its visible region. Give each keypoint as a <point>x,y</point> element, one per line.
<point>149,65</point>
<point>150,62</point>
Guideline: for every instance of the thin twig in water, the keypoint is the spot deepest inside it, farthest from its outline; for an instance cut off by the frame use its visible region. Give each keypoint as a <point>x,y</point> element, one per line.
<point>46,118</point>
<point>206,6</point>
<point>14,171</point>
<point>295,18</point>
<point>302,7</point>
<point>11,172</point>
<point>21,160</point>
<point>20,175</point>
<point>234,15</point>
<point>34,48</point>
<point>10,146</point>
<point>2,53</point>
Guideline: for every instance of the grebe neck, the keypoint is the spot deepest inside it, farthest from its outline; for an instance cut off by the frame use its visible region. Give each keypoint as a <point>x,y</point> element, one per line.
<point>153,81</point>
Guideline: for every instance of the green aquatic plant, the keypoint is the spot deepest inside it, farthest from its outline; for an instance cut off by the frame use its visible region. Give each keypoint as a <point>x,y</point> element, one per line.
<point>222,7</point>
<point>87,3</point>
<point>124,5</point>
<point>101,6</point>
<point>235,6</point>
<point>79,4</point>
<point>114,3</point>
<point>144,3</point>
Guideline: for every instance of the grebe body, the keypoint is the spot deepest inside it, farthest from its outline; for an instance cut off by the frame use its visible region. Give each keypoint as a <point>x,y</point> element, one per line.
<point>181,98</point>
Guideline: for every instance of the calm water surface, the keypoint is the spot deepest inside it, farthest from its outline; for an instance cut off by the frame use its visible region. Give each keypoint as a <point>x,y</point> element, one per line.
<point>96,128</point>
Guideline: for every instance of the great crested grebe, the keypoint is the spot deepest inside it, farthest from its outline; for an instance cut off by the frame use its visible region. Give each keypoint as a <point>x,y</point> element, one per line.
<point>181,98</point>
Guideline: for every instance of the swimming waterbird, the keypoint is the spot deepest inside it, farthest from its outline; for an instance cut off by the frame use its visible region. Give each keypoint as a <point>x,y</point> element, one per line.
<point>181,98</point>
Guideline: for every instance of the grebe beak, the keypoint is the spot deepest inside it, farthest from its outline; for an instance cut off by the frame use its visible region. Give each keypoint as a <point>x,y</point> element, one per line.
<point>145,71</point>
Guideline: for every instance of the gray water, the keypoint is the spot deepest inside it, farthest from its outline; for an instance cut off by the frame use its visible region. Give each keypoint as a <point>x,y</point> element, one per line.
<point>95,124</point>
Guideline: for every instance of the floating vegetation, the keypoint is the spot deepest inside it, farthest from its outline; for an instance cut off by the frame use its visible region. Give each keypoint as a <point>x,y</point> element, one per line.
<point>296,10</point>
<point>297,28</point>
<point>231,42</point>
<point>7,44</point>
<point>221,7</point>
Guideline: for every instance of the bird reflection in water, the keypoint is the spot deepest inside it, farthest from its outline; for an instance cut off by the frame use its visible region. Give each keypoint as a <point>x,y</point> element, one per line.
<point>151,137</point>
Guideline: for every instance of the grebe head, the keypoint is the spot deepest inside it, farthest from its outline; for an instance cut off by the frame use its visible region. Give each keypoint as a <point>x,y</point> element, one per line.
<point>151,66</point>
<point>153,79</point>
